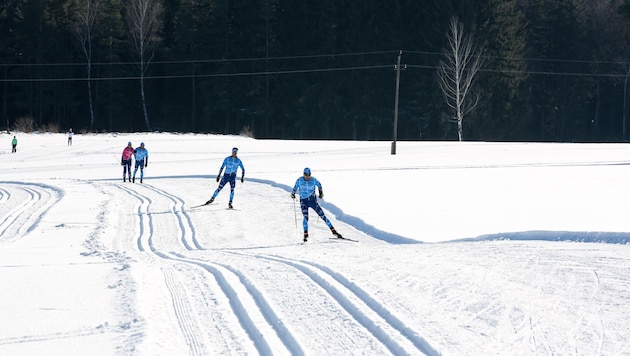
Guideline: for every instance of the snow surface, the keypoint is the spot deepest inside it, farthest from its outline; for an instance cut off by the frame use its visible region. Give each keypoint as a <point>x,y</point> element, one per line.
<point>464,249</point>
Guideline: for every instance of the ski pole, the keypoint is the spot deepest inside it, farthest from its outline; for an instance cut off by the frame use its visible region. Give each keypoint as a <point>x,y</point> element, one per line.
<point>295,213</point>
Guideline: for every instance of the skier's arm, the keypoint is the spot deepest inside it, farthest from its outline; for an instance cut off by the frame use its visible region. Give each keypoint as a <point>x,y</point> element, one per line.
<point>240,163</point>
<point>321,190</point>
<point>295,188</point>
<point>221,169</point>
<point>224,165</point>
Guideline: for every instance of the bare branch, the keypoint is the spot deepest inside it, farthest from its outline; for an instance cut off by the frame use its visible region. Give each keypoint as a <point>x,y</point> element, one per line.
<point>456,73</point>
<point>144,21</point>
<point>83,30</point>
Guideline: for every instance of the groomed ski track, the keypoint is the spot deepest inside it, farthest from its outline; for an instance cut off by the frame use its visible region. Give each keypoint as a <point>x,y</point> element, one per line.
<point>254,310</point>
<point>236,282</point>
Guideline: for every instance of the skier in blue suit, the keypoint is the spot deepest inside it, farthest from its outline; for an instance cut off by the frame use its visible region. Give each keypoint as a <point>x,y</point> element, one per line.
<point>306,186</point>
<point>142,160</point>
<point>230,164</point>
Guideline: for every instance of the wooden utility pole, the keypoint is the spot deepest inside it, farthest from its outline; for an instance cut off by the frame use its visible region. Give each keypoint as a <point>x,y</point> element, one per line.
<point>397,68</point>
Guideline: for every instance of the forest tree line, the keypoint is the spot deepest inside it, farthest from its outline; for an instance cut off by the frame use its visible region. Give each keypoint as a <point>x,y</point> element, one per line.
<point>552,70</point>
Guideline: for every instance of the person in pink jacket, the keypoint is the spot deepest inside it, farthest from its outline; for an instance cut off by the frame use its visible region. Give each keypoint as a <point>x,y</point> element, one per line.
<point>125,161</point>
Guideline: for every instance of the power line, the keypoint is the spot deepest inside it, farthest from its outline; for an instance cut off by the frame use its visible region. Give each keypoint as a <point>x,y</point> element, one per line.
<point>201,61</point>
<point>315,56</point>
<point>534,72</point>
<point>314,70</point>
<point>241,74</point>
<point>531,59</point>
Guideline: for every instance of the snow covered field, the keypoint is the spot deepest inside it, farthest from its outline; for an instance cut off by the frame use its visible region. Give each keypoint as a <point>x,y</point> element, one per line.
<point>464,249</point>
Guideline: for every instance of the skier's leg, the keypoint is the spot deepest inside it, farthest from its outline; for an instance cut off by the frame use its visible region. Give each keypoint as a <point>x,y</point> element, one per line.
<point>304,207</point>
<point>221,185</point>
<point>232,185</point>
<point>135,171</point>
<point>320,212</point>
<point>318,209</point>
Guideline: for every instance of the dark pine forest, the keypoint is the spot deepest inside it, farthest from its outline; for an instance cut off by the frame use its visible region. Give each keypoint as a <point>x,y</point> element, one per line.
<point>552,70</point>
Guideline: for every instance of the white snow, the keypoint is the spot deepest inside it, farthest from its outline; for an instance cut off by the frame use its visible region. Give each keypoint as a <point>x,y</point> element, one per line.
<point>464,249</point>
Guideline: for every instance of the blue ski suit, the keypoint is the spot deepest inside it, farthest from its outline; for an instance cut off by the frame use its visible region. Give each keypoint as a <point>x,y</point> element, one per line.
<point>231,165</point>
<point>306,188</point>
<point>142,160</point>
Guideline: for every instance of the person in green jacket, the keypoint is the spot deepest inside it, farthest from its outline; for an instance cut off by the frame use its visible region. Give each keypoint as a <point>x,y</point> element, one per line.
<point>14,145</point>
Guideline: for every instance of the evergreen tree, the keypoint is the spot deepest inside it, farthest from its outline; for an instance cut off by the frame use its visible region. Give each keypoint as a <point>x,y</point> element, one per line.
<point>502,34</point>
<point>113,95</point>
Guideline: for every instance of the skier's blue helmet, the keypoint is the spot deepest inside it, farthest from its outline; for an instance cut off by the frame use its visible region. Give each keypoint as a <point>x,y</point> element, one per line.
<point>307,171</point>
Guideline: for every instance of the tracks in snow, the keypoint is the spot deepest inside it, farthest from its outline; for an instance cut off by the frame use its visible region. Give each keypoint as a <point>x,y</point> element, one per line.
<point>265,324</point>
<point>398,338</point>
<point>239,295</point>
<point>22,206</point>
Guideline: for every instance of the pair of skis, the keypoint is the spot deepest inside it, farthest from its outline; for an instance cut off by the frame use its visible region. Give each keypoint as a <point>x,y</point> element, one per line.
<point>206,204</point>
<point>337,236</point>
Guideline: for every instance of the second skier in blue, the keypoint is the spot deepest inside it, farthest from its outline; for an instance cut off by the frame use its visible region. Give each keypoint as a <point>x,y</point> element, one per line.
<point>230,164</point>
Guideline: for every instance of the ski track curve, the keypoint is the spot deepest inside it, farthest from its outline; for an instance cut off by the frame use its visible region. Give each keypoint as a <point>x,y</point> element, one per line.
<point>242,293</point>
<point>4,195</point>
<point>16,222</point>
<point>282,332</point>
<point>187,227</point>
<point>146,225</point>
<point>379,318</point>
<point>418,341</point>
<point>241,296</point>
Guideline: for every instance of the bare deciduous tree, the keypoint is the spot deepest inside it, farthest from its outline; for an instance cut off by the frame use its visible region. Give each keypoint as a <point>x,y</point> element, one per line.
<point>457,72</point>
<point>83,30</point>
<point>144,19</point>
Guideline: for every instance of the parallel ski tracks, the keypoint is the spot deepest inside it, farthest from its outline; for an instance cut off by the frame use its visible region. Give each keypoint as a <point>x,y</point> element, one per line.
<point>255,313</point>
<point>240,295</point>
<point>367,311</point>
<point>186,320</point>
<point>27,203</point>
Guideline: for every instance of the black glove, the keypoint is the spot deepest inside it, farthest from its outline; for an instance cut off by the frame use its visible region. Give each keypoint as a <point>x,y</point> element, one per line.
<point>321,194</point>
<point>122,162</point>
<point>218,178</point>
<point>292,195</point>
<point>146,164</point>
<point>242,179</point>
